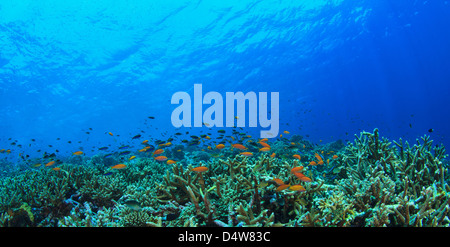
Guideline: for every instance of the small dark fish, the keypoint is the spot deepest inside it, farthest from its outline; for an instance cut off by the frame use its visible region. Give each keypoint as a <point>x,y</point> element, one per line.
<point>430,130</point>
<point>52,155</point>
<point>108,155</point>
<point>410,125</point>
<point>136,137</point>
<point>151,117</point>
<point>178,134</point>
<point>193,143</point>
<point>103,148</point>
<point>124,152</point>
<point>133,204</point>
<point>108,173</point>
<point>173,216</point>
<point>124,147</point>
<point>150,148</point>
<point>221,131</point>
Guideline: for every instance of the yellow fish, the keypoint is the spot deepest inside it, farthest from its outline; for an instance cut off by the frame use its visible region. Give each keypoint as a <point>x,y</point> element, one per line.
<point>247,154</point>
<point>119,166</point>
<point>170,162</point>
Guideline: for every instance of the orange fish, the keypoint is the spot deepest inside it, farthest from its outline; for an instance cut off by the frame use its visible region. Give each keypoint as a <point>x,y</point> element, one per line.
<point>297,169</point>
<point>77,153</point>
<point>312,163</point>
<point>305,179</point>
<point>145,142</point>
<point>158,151</point>
<point>320,162</point>
<point>239,146</point>
<point>56,169</point>
<point>2,150</point>
<point>50,163</point>
<point>220,146</point>
<point>119,166</point>
<point>318,157</point>
<point>335,156</point>
<point>297,156</point>
<point>248,154</point>
<point>286,132</point>
<point>170,162</point>
<point>278,181</point>
<point>142,150</point>
<point>111,134</point>
<point>264,149</point>
<point>282,187</point>
<point>302,177</point>
<point>132,157</point>
<point>297,187</point>
<point>264,144</point>
<point>264,140</point>
<point>273,155</point>
<point>161,158</point>
<point>200,169</point>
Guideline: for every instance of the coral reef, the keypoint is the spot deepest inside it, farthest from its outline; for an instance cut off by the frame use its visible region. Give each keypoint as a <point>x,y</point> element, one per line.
<point>369,182</point>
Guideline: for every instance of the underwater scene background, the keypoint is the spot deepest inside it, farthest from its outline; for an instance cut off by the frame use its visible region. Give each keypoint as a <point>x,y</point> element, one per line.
<point>86,137</point>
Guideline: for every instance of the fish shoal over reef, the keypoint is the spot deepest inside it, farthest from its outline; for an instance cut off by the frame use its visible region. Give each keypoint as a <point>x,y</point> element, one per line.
<point>206,179</point>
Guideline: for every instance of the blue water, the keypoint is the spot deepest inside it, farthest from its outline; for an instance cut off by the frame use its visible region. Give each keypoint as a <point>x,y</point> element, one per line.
<point>340,67</point>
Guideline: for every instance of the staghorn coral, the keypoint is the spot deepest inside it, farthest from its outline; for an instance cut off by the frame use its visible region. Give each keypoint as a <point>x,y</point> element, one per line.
<point>247,218</point>
<point>103,189</point>
<point>372,182</point>
<point>393,187</point>
<point>336,210</point>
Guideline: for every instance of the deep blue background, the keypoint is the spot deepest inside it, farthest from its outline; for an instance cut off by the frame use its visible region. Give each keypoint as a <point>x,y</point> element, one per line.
<point>340,66</point>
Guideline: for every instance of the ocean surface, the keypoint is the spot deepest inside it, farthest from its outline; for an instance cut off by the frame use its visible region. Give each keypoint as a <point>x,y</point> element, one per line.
<point>340,67</point>
<point>81,75</point>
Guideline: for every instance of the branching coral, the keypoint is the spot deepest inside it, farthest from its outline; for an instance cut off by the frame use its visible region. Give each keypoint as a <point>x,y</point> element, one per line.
<point>370,182</point>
